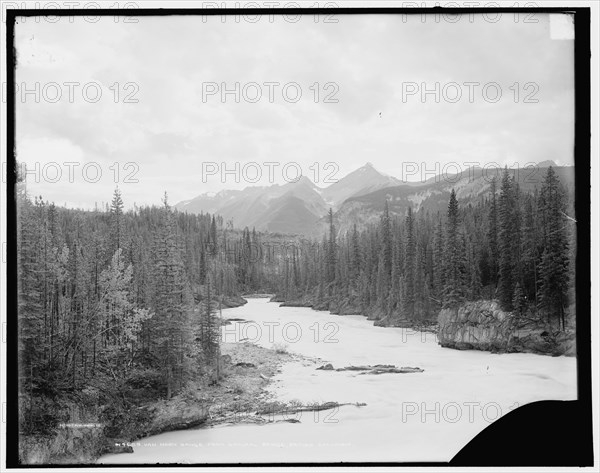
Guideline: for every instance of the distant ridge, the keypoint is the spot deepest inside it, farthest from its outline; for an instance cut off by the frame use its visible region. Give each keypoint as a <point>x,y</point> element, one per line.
<point>301,207</point>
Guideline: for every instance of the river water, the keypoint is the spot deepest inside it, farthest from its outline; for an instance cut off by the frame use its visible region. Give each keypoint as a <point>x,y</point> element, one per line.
<point>426,416</point>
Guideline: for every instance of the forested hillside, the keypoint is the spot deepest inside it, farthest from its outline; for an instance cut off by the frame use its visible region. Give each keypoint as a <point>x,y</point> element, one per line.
<point>121,307</point>
<point>514,246</point>
<point>471,186</point>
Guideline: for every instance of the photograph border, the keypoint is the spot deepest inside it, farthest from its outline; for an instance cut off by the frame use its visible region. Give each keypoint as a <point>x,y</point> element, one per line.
<point>578,446</point>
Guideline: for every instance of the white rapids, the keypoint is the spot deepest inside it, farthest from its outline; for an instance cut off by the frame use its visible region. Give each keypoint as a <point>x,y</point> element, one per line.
<point>426,416</point>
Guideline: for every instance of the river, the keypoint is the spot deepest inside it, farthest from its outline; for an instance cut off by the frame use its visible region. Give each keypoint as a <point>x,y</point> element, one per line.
<point>426,416</point>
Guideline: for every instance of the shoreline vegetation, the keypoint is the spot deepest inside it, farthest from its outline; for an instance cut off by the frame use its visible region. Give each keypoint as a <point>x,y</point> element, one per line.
<point>243,397</point>
<point>88,432</point>
<point>120,309</point>
<point>247,371</point>
<point>240,396</point>
<point>479,325</point>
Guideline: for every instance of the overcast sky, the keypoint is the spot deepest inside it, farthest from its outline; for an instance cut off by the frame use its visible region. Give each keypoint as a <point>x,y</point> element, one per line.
<point>172,127</point>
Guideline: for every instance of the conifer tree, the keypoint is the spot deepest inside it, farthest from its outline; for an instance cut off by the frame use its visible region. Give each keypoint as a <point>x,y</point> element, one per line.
<point>409,265</point>
<point>519,303</point>
<point>554,265</point>
<point>530,256</point>
<point>454,288</point>
<point>171,302</point>
<point>116,219</point>
<point>355,256</point>
<point>439,262</point>
<point>505,242</point>
<point>386,239</point>
<point>210,334</point>
<point>516,240</point>
<point>492,233</point>
<point>331,250</point>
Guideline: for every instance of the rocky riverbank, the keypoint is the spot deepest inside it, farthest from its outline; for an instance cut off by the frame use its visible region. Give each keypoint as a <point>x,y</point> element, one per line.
<point>479,325</point>
<point>352,306</point>
<point>246,371</point>
<point>483,325</point>
<point>228,302</point>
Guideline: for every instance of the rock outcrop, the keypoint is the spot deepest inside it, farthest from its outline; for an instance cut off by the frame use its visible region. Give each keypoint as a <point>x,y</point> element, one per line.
<point>483,325</point>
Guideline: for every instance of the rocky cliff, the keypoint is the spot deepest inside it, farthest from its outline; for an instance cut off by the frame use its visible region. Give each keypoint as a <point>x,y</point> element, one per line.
<point>483,325</point>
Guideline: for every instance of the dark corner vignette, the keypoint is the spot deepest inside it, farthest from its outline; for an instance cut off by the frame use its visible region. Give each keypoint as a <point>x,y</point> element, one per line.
<point>508,441</point>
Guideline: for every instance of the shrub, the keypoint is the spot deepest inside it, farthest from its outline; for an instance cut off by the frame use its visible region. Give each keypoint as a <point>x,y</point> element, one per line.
<point>280,348</point>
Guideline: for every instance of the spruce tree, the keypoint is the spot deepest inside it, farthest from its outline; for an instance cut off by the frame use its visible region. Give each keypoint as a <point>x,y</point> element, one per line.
<point>492,234</point>
<point>554,266</point>
<point>439,263</point>
<point>454,288</point>
<point>519,302</point>
<point>356,255</point>
<point>171,302</point>
<point>410,248</point>
<point>386,239</point>
<point>516,240</point>
<point>116,220</point>
<point>506,282</point>
<point>210,334</point>
<point>530,256</point>
<point>331,250</point>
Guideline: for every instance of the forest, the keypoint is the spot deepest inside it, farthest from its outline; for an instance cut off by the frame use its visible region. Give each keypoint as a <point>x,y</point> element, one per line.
<point>515,247</point>
<point>117,308</point>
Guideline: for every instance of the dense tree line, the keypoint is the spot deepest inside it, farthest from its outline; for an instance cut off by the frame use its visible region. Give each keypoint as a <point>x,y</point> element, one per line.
<point>511,246</point>
<point>115,306</point>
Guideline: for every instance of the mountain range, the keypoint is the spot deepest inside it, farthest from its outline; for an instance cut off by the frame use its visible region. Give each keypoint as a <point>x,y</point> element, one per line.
<point>301,207</point>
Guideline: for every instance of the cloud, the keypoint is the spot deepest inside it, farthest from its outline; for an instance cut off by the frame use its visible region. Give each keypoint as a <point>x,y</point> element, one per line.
<point>152,111</point>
